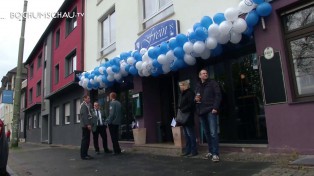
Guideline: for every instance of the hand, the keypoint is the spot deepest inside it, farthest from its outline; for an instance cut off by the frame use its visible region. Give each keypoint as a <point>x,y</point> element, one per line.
<point>214,111</point>
<point>198,98</point>
<point>89,127</point>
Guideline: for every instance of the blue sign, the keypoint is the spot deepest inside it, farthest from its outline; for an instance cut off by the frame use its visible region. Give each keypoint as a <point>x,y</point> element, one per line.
<point>157,34</point>
<point>7,96</point>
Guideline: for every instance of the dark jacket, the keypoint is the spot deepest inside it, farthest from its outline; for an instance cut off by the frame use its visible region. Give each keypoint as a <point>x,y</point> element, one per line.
<point>95,119</point>
<point>4,151</point>
<point>86,117</point>
<point>210,96</point>
<point>115,113</point>
<point>186,105</point>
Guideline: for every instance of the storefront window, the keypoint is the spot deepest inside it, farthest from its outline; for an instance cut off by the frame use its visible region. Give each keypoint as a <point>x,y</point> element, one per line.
<point>299,34</point>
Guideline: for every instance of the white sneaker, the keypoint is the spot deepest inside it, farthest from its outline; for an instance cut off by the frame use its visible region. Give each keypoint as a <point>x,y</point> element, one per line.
<point>215,158</point>
<point>208,156</point>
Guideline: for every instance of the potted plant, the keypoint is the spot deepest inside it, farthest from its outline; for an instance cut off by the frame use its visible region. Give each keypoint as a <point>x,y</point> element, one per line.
<point>139,134</point>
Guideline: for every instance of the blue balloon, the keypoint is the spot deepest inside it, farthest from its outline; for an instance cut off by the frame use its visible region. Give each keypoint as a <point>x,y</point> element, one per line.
<point>248,32</point>
<point>179,52</point>
<point>201,33</point>
<point>219,17</point>
<point>152,53</point>
<point>116,60</point>
<point>173,44</point>
<point>137,55</point>
<point>127,68</point>
<point>89,85</point>
<point>258,1</point>
<point>217,51</point>
<point>252,18</point>
<point>133,70</point>
<point>156,64</point>
<point>115,68</point>
<point>192,37</point>
<point>104,79</point>
<point>181,39</point>
<point>163,48</point>
<point>264,9</point>
<point>206,21</point>
<point>124,55</point>
<point>196,25</point>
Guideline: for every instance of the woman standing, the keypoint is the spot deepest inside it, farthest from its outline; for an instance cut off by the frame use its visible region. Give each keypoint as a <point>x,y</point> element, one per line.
<point>186,105</point>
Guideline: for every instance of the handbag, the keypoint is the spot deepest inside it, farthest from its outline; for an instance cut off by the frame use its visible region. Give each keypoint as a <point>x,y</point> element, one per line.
<point>182,117</point>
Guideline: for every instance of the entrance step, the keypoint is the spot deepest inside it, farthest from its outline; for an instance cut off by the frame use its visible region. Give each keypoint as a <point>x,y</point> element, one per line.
<point>158,149</point>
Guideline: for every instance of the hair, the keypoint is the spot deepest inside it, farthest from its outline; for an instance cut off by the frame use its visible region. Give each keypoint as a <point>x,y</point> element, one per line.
<point>203,69</point>
<point>185,83</point>
<point>113,95</point>
<point>85,97</point>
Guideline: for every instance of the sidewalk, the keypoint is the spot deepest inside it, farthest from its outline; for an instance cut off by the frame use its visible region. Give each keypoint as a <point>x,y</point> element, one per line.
<point>50,160</point>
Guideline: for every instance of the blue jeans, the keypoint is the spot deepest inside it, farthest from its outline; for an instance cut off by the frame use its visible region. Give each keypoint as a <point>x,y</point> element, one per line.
<point>190,139</point>
<point>210,125</point>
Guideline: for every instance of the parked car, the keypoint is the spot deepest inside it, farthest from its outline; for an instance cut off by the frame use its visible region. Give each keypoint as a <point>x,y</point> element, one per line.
<point>4,150</point>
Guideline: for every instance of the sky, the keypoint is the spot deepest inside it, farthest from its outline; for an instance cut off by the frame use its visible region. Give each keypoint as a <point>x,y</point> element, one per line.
<point>10,28</point>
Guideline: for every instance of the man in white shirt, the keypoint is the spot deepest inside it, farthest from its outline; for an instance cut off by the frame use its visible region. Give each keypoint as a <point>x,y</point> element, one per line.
<point>99,127</point>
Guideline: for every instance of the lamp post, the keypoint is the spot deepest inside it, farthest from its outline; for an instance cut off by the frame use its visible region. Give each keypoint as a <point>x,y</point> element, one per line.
<point>18,82</point>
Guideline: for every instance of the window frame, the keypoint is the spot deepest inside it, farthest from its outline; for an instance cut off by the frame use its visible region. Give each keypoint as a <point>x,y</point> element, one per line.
<point>57,74</point>
<point>38,88</point>
<point>77,110</point>
<point>30,97</point>
<point>71,23</point>
<point>35,121</point>
<point>31,70</point>
<point>58,38</point>
<point>39,60</point>
<point>67,113</point>
<point>111,46</point>
<point>292,35</point>
<point>57,115</point>
<point>70,63</point>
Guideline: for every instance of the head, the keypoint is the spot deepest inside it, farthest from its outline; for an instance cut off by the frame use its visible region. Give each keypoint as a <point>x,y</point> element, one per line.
<point>203,75</point>
<point>184,85</point>
<point>96,105</point>
<point>112,96</point>
<point>86,98</point>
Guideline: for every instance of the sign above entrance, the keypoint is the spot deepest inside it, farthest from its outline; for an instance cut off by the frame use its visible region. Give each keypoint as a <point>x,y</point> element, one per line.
<point>157,34</point>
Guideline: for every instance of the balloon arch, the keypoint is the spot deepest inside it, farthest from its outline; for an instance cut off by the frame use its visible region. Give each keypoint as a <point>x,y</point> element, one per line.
<point>204,40</point>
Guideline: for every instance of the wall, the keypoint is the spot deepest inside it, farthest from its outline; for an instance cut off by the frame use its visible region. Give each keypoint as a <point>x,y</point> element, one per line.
<point>289,125</point>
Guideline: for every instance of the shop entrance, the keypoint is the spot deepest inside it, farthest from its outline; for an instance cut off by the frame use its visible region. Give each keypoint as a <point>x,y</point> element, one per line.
<point>242,116</point>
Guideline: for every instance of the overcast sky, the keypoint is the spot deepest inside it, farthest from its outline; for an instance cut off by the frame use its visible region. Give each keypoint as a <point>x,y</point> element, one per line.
<point>10,28</point>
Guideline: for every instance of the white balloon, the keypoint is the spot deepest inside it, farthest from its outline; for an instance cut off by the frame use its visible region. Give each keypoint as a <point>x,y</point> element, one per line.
<point>110,78</point>
<point>92,81</point>
<point>109,71</point>
<point>166,68</point>
<point>211,43</point>
<point>198,47</point>
<point>213,30</point>
<point>80,83</point>
<point>239,25</point>
<point>235,37</point>
<point>188,59</point>
<point>189,31</point>
<point>131,60</point>
<point>205,54</point>
<point>101,70</point>
<point>170,56</point>
<point>246,6</point>
<point>99,79</point>
<point>188,47</point>
<point>231,14</point>
<point>223,39</point>
<point>225,27</point>
<point>138,65</point>
<point>162,59</point>
<point>143,51</point>
<point>117,76</point>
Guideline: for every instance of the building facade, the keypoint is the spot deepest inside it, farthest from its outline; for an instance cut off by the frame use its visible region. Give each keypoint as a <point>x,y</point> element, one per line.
<point>53,95</point>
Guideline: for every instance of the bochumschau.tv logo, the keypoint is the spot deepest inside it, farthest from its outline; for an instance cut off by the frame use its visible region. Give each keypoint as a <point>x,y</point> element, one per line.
<point>45,15</point>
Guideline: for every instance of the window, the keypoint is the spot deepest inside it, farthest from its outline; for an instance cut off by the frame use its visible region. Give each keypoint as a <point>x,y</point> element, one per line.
<point>31,71</point>
<point>35,121</point>
<point>156,10</point>
<point>22,125</point>
<point>57,115</point>
<point>30,97</point>
<point>30,121</point>
<point>39,61</point>
<point>57,74</point>
<point>71,21</point>
<point>78,108</point>
<point>70,63</point>
<point>67,113</point>
<point>57,38</point>
<point>108,35</point>
<point>299,35</point>
<point>38,89</point>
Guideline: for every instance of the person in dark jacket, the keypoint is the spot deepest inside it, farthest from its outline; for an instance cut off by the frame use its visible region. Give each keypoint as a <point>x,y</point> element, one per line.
<point>186,105</point>
<point>4,150</point>
<point>208,98</point>
<point>86,124</point>
<point>114,121</point>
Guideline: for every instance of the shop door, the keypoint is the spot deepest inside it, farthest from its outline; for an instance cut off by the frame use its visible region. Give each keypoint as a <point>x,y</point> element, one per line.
<point>242,116</point>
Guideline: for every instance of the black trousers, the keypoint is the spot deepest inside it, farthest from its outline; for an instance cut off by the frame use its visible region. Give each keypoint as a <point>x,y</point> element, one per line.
<point>100,130</point>
<point>85,142</point>
<point>114,133</point>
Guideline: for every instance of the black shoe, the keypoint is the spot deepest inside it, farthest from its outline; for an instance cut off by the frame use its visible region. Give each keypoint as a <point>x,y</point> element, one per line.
<point>108,151</point>
<point>193,154</point>
<point>97,152</point>
<point>87,157</point>
<point>185,154</point>
<point>116,153</point>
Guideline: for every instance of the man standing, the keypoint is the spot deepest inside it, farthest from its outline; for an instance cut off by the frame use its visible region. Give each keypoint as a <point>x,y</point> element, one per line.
<point>99,127</point>
<point>4,150</point>
<point>208,98</point>
<point>86,125</point>
<point>113,121</point>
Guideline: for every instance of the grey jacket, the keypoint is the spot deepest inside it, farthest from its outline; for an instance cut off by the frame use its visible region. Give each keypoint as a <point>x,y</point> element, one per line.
<point>115,113</point>
<point>86,118</point>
